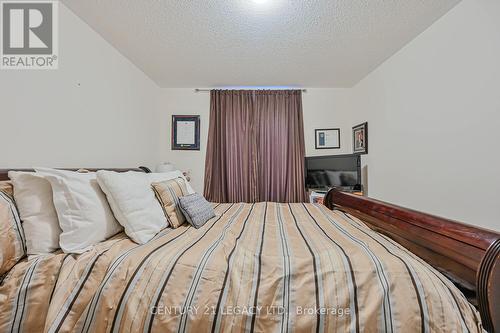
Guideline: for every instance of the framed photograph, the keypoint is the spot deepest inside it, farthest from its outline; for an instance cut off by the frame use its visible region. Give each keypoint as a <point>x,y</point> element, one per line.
<point>185,132</point>
<point>360,139</point>
<point>327,138</point>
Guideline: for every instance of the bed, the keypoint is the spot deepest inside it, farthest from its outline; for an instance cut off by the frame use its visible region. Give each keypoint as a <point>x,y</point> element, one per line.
<point>263,267</point>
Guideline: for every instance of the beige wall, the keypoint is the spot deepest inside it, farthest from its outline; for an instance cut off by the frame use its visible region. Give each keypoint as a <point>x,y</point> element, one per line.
<point>95,110</point>
<point>323,108</point>
<point>434,117</point>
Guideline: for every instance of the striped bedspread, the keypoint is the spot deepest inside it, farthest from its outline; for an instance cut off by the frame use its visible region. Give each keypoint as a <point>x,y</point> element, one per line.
<point>262,267</point>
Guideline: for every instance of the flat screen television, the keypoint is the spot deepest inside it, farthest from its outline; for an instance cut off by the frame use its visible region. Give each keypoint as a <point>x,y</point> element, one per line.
<point>340,171</point>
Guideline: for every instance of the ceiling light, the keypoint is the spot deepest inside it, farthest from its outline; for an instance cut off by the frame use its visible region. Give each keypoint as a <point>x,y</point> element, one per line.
<point>262,6</point>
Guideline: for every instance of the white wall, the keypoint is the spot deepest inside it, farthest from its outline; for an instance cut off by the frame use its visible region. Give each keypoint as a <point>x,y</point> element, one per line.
<point>434,114</point>
<point>323,108</point>
<point>183,102</point>
<point>327,108</point>
<point>95,110</point>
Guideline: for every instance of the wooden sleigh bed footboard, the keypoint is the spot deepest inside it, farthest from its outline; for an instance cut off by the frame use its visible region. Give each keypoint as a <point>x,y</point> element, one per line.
<point>467,255</point>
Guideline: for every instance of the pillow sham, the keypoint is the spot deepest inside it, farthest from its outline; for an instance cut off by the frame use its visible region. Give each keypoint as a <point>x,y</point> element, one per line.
<point>33,196</point>
<point>196,209</point>
<point>83,212</point>
<point>12,242</point>
<point>168,193</point>
<point>133,201</point>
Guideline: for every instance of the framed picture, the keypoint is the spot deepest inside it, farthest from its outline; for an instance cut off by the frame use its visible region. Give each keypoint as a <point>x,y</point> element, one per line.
<point>185,132</point>
<point>327,138</point>
<point>360,139</point>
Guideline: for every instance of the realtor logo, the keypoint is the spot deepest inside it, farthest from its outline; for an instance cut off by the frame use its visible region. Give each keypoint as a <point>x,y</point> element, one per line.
<point>29,35</point>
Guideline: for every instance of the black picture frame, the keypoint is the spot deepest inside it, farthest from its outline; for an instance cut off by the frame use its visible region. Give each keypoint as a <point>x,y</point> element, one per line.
<point>185,118</point>
<point>318,145</point>
<point>360,139</point>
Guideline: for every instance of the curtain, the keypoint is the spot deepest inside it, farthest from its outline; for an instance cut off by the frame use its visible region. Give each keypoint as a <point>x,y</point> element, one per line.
<point>255,149</point>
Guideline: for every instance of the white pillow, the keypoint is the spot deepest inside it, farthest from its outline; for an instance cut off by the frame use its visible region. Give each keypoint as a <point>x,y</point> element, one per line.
<point>84,214</point>
<point>133,201</point>
<point>33,195</point>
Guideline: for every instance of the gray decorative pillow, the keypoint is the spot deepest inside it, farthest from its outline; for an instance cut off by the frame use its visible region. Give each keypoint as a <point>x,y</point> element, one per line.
<point>196,209</point>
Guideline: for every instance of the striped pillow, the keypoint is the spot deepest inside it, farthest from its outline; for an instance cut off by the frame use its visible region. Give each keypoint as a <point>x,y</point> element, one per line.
<point>12,242</point>
<point>168,193</point>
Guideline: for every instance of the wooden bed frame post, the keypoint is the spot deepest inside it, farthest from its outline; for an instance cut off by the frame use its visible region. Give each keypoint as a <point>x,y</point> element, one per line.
<point>468,255</point>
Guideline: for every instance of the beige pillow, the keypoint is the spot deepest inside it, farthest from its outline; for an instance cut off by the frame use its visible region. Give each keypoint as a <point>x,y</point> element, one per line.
<point>12,241</point>
<point>33,195</point>
<point>168,193</point>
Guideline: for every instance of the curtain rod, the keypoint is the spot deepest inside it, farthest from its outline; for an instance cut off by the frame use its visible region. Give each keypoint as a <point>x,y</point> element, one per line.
<point>208,90</point>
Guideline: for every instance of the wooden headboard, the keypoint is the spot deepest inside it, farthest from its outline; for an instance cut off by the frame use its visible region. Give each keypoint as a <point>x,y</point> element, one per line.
<point>4,172</point>
<point>467,255</point>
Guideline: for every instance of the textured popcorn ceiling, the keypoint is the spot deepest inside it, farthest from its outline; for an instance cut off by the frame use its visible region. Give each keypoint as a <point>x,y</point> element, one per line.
<point>211,43</point>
